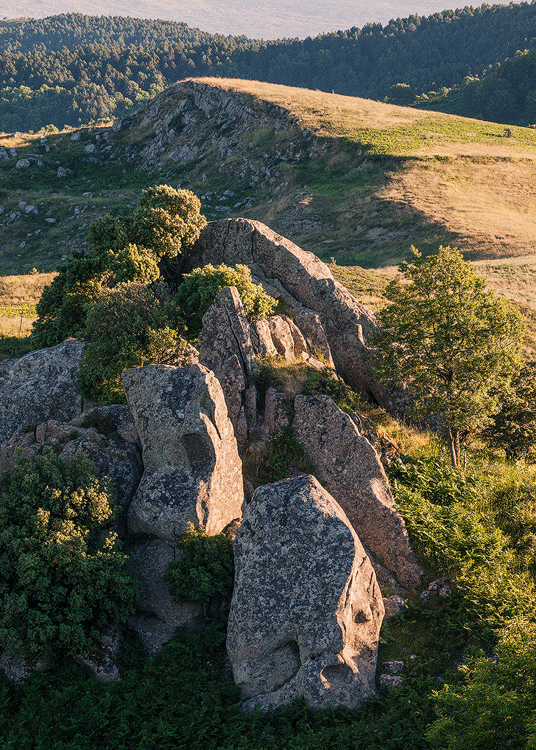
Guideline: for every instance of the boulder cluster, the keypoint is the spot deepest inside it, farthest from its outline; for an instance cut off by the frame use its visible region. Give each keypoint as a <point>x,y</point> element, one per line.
<point>310,551</point>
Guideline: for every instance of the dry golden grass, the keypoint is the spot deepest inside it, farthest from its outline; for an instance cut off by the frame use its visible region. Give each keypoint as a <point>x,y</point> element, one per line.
<point>466,176</point>
<point>490,206</point>
<point>23,290</point>
<point>18,297</point>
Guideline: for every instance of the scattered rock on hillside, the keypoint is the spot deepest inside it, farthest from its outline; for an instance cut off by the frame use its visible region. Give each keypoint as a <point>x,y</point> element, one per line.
<point>306,608</point>
<point>40,386</point>
<point>276,414</point>
<point>354,475</point>
<point>101,663</point>
<point>192,471</point>
<point>225,348</point>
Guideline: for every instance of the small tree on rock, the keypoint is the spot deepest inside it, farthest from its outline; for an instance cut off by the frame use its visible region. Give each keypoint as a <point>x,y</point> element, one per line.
<point>451,340</point>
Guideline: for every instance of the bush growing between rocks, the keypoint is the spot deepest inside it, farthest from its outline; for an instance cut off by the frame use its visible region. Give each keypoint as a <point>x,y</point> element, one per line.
<point>129,326</point>
<point>205,568</point>
<point>199,289</point>
<point>61,581</point>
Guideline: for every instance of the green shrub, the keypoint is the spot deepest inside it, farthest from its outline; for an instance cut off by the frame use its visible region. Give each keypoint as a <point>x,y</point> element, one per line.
<point>513,427</point>
<point>494,706</point>
<point>129,326</point>
<point>199,289</point>
<point>284,453</point>
<point>120,249</point>
<point>61,581</point>
<point>204,569</point>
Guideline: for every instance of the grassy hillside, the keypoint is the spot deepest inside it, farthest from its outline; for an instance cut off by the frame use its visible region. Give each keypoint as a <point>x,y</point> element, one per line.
<point>352,180</point>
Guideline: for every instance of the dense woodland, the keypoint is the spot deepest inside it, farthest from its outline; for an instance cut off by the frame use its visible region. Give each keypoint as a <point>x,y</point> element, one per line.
<point>72,69</point>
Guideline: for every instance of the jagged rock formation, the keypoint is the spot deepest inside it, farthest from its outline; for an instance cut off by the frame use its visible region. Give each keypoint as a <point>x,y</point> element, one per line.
<point>192,471</point>
<point>225,348</point>
<point>355,477</point>
<point>40,386</point>
<point>306,608</point>
<point>303,281</point>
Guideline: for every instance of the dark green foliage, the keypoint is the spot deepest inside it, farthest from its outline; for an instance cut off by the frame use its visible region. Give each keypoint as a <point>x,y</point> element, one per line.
<point>494,707</point>
<point>60,579</point>
<point>324,381</point>
<point>513,427</point>
<point>506,92</point>
<point>452,341</point>
<point>205,567</point>
<point>167,220</point>
<point>129,326</point>
<point>199,289</point>
<point>73,69</point>
<point>120,249</point>
<point>61,309</point>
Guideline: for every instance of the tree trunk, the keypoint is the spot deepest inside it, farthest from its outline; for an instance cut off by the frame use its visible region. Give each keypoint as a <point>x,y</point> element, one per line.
<point>454,445</point>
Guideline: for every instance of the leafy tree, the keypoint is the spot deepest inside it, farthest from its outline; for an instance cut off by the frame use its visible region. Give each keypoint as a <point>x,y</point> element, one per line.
<point>451,340</point>
<point>61,581</point>
<point>128,326</point>
<point>199,288</point>
<point>120,249</point>
<point>167,220</point>
<point>513,427</point>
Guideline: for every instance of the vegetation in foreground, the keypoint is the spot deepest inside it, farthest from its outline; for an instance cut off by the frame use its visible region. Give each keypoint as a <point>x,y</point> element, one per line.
<point>464,653</point>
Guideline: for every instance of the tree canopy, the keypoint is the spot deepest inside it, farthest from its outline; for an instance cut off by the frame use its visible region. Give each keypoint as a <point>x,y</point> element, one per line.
<point>164,225</point>
<point>450,340</point>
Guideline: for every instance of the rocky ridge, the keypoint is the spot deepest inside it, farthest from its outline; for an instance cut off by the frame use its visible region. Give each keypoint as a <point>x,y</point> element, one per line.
<point>312,627</point>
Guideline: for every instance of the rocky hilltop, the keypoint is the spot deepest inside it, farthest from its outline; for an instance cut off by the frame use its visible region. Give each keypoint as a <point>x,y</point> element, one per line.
<point>317,567</point>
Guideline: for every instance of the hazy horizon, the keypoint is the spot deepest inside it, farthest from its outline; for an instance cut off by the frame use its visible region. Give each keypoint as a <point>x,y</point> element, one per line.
<point>301,18</point>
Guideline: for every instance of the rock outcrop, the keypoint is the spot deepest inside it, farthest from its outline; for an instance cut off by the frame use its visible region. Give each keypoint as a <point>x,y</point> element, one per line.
<point>192,471</point>
<point>225,348</point>
<point>354,475</point>
<point>40,386</point>
<point>306,608</point>
<point>302,281</point>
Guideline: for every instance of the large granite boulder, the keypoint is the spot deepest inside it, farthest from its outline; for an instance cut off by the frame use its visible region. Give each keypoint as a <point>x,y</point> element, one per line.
<point>40,386</point>
<point>192,471</point>
<point>306,609</point>
<point>354,475</point>
<point>225,348</point>
<point>302,280</point>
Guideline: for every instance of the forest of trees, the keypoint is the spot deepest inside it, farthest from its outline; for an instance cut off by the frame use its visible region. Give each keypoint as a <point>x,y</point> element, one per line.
<point>73,69</point>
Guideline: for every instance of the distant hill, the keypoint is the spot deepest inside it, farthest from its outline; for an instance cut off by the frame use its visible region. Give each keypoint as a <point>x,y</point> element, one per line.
<point>73,69</point>
<point>505,93</point>
<point>301,18</point>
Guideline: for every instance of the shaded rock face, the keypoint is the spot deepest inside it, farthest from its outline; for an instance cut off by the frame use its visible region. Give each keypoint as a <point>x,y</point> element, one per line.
<point>157,614</point>
<point>101,663</point>
<point>117,459</point>
<point>302,280</point>
<point>354,475</point>
<point>192,471</point>
<point>306,608</point>
<point>225,348</point>
<point>40,386</point>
